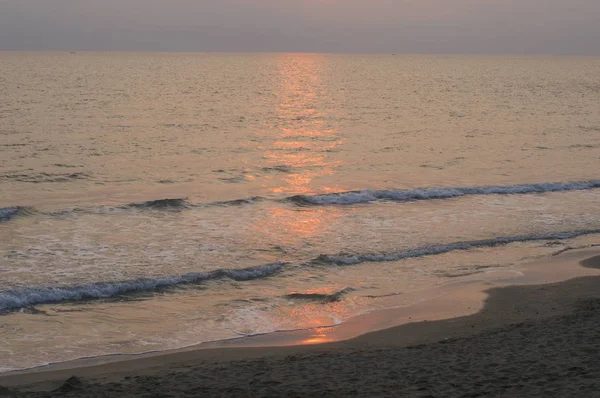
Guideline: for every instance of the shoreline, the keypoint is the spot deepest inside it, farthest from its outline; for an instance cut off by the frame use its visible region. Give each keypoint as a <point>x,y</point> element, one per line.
<point>468,294</point>
<point>454,314</point>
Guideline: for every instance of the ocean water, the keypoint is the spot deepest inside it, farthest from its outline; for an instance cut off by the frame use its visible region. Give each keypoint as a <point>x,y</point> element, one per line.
<point>155,201</point>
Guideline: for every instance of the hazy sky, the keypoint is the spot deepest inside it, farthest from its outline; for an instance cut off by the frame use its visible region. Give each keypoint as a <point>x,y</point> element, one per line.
<point>466,26</point>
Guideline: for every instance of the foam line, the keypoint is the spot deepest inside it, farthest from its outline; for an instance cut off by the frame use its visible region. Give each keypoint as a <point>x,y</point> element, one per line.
<point>341,198</point>
<point>449,247</point>
<point>403,195</point>
<point>15,299</point>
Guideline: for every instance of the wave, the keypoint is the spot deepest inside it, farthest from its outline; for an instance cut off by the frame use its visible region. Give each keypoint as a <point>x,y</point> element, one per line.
<point>177,203</point>
<point>403,195</point>
<point>167,204</point>
<point>234,202</point>
<point>322,297</point>
<point>446,248</point>
<point>27,297</point>
<point>341,198</point>
<point>8,213</point>
<point>44,177</point>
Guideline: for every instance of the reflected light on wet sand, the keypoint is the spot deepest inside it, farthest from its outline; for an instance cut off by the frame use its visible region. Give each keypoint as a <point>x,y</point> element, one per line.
<point>319,336</point>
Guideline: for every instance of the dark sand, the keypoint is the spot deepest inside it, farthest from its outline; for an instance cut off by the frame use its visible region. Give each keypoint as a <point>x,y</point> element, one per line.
<point>537,340</point>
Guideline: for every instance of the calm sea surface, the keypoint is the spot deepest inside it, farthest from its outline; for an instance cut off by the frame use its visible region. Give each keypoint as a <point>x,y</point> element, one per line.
<point>154,201</point>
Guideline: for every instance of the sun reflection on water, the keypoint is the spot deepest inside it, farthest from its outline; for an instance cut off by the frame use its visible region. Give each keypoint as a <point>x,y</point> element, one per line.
<point>300,150</point>
<point>305,137</point>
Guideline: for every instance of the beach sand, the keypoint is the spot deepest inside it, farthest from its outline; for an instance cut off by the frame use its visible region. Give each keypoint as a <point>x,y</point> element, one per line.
<point>524,340</point>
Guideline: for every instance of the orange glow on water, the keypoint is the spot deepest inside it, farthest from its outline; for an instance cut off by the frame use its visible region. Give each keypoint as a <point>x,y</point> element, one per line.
<point>301,149</point>
<point>304,139</point>
<point>301,153</point>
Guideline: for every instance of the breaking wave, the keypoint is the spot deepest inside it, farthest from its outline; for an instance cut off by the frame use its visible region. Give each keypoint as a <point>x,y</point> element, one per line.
<point>13,300</point>
<point>449,247</point>
<point>16,299</point>
<point>403,195</point>
<point>341,198</point>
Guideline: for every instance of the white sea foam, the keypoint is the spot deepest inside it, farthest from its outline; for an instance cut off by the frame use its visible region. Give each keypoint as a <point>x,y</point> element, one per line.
<point>30,296</point>
<point>340,198</point>
<point>445,248</point>
<point>365,196</point>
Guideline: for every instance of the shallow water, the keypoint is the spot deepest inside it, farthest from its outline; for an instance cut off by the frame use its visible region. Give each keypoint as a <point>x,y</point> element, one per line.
<point>301,187</point>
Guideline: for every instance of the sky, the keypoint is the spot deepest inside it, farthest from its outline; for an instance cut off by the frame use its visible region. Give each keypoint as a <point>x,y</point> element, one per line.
<point>381,26</point>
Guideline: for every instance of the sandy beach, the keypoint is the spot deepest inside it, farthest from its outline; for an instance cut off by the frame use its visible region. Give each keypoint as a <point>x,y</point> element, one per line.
<point>526,340</point>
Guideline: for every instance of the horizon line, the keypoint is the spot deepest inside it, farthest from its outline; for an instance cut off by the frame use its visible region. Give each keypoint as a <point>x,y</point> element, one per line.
<point>474,53</point>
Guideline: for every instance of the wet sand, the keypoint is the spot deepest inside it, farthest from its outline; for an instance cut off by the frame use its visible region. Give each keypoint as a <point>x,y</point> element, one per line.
<point>525,340</point>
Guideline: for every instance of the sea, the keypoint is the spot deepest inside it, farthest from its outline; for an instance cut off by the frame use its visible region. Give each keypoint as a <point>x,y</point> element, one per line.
<point>153,201</point>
